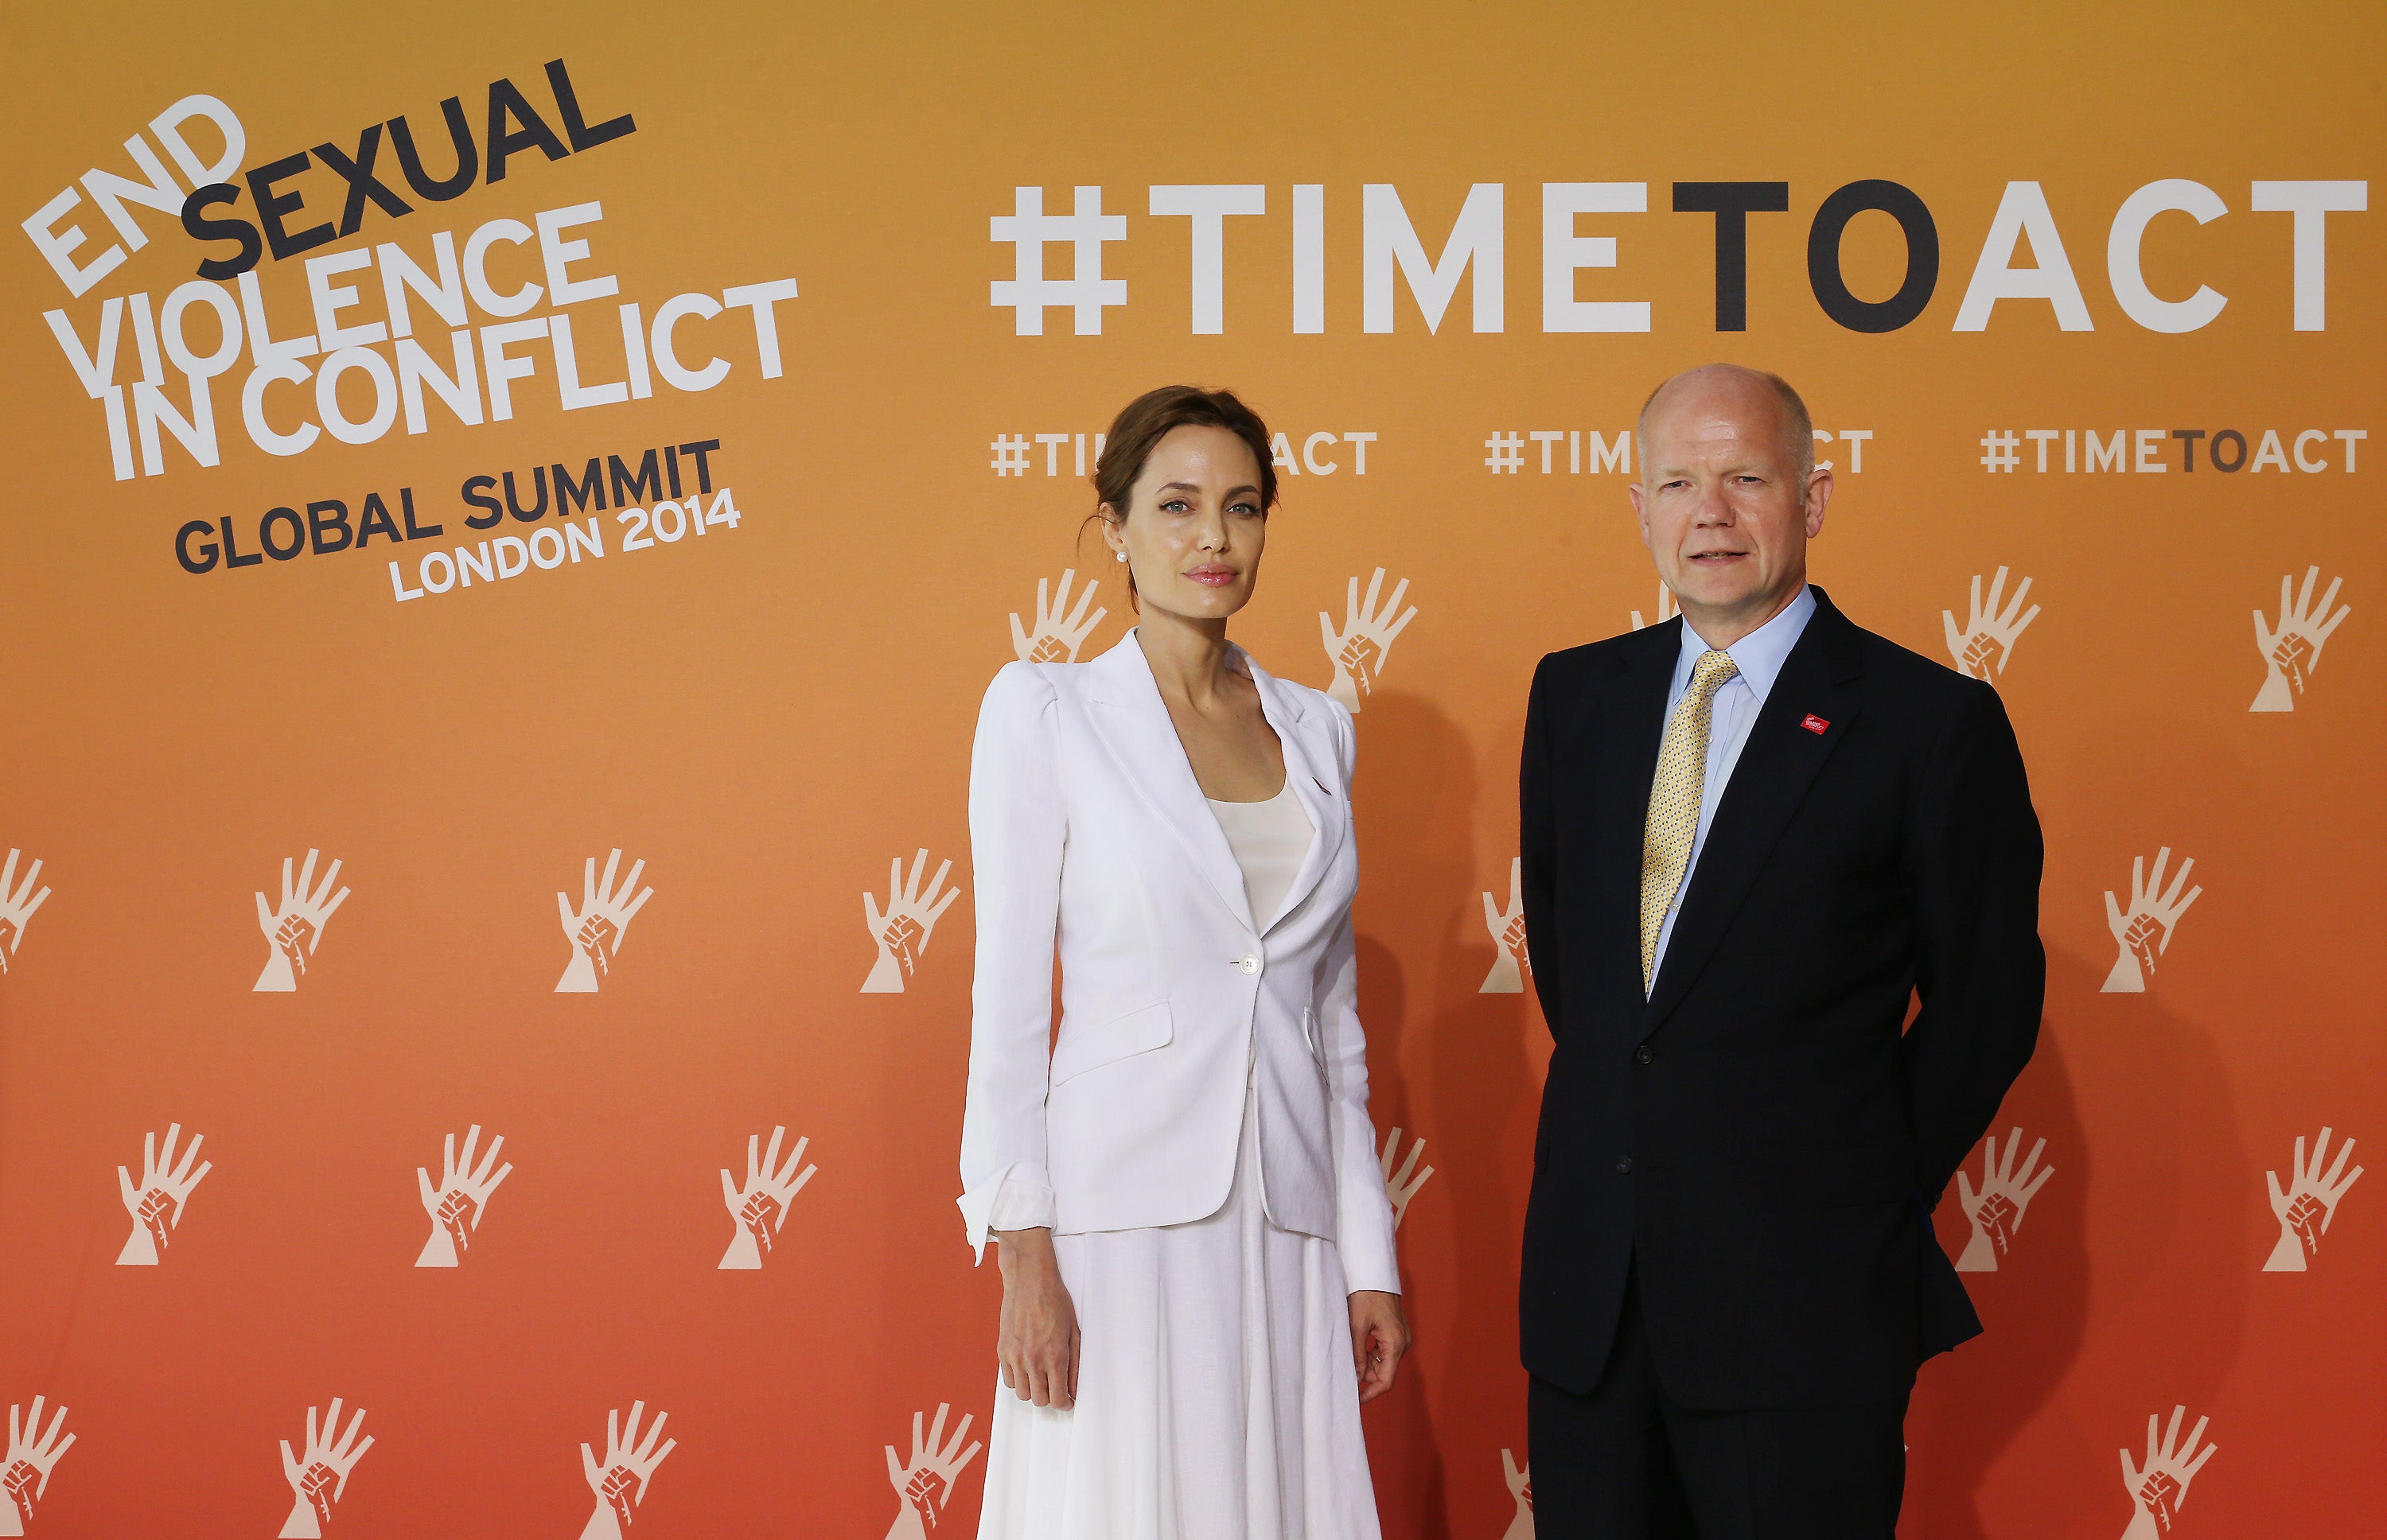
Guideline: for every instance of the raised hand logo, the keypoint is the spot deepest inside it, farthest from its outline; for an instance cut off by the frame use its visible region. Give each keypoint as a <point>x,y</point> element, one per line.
<point>1985,646</point>
<point>597,929</point>
<point>321,1477</point>
<point>1520,1486</point>
<point>155,1203</point>
<point>926,1482</point>
<point>2143,930</point>
<point>620,1480</point>
<point>2159,1489</point>
<point>901,933</point>
<point>760,1208</point>
<point>17,902</point>
<point>1401,1186</point>
<point>2292,649</point>
<point>1511,964</point>
<point>295,930</point>
<point>1667,610</point>
<point>2307,1204</point>
<point>1358,650</point>
<point>1055,639</point>
<point>456,1204</point>
<point>1995,1212</point>
<point>25,1468</point>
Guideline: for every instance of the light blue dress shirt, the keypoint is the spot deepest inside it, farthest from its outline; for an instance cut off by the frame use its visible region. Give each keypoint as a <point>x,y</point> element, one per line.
<point>1759,656</point>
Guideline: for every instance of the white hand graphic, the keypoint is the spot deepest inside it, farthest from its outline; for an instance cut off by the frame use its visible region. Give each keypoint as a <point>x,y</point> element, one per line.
<point>25,1468</point>
<point>456,1204</point>
<point>295,930</point>
<point>1995,1212</point>
<point>902,933</point>
<point>17,902</point>
<point>2293,649</point>
<point>927,1484</point>
<point>1400,1186</point>
<point>319,1480</point>
<point>157,1203</point>
<point>1358,650</point>
<point>1520,1486</point>
<point>2144,930</point>
<point>2309,1196</point>
<point>2159,1489</point>
<point>1986,644</point>
<point>628,1463</point>
<point>596,932</point>
<point>1055,639</point>
<point>1667,610</point>
<point>1508,927</point>
<point>760,1208</point>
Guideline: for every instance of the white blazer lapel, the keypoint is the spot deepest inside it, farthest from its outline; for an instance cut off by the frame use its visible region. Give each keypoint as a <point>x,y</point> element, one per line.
<point>1317,780</point>
<point>1133,722</point>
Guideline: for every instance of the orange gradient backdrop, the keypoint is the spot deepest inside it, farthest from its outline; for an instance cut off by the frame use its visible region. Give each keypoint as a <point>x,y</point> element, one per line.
<point>767,715</point>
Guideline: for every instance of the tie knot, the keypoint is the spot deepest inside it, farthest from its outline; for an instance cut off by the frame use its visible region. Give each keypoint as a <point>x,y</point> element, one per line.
<point>1711,672</point>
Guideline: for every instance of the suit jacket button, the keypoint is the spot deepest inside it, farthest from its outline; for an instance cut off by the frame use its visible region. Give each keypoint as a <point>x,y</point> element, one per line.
<point>1625,1166</point>
<point>1248,964</point>
<point>1643,1055</point>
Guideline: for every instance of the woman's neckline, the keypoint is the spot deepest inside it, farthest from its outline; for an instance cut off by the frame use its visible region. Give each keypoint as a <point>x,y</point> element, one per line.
<point>1264,801</point>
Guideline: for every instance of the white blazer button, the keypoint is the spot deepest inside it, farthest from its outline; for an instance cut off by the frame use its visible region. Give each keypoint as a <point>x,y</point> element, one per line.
<point>1249,964</point>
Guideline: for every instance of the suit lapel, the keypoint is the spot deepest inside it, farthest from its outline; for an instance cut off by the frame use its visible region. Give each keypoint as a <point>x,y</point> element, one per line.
<point>1625,724</point>
<point>1310,770</point>
<point>1778,762</point>
<point>1133,724</point>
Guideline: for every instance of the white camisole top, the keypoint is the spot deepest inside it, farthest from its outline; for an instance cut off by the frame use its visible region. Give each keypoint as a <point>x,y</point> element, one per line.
<point>1270,840</point>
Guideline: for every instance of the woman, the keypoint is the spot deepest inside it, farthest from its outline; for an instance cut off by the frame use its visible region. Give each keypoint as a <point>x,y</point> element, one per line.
<point>1199,1288</point>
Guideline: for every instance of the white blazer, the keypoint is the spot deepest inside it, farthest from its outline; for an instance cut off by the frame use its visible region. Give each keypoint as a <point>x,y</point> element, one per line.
<point>1088,828</point>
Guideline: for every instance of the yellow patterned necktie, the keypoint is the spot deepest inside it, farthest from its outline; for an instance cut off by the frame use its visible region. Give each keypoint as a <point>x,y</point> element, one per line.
<point>1675,798</point>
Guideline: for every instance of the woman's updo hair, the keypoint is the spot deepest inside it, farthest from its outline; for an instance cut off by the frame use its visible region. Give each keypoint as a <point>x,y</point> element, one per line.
<point>1152,416</point>
<point>1144,421</point>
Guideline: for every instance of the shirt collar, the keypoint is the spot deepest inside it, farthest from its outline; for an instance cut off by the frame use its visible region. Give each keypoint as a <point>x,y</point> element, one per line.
<point>1760,655</point>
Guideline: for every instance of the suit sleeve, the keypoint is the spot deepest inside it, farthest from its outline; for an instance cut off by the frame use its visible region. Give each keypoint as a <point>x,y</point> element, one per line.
<point>1364,1211</point>
<point>1973,858</point>
<point>1018,831</point>
<point>1538,848</point>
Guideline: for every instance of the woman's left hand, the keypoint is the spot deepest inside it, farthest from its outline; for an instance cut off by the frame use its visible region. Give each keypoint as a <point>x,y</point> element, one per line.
<point>1380,1337</point>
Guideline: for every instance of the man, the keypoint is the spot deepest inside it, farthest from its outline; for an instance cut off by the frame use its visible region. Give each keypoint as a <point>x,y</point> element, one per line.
<point>1752,837</point>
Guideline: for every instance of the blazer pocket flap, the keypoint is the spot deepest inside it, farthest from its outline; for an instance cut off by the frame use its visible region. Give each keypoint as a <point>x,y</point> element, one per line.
<point>1086,1048</point>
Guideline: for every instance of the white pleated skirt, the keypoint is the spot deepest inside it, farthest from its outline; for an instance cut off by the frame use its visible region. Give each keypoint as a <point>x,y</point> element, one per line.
<point>1216,1395</point>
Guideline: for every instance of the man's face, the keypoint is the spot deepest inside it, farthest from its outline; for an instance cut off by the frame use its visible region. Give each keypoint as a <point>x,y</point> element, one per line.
<point>1723,504</point>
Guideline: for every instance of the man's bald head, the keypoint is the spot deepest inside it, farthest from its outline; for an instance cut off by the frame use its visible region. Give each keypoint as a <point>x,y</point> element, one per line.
<point>1710,380</point>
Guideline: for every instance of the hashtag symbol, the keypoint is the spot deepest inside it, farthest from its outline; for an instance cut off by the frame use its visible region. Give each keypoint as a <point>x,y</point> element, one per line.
<point>1027,291</point>
<point>1010,454</point>
<point>1508,453</point>
<point>2000,451</point>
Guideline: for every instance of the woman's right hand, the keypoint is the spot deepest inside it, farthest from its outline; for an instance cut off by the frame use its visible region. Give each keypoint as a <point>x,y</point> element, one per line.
<point>1038,1339</point>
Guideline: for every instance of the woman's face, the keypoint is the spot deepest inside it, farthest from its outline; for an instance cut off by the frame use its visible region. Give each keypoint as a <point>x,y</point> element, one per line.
<point>1195,525</point>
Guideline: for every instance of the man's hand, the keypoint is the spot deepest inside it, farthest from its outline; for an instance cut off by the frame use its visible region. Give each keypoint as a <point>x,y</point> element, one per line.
<point>1380,1339</point>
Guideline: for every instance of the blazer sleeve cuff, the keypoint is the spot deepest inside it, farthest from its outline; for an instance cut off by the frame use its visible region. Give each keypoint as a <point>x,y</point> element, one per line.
<point>1366,1244</point>
<point>1018,1196</point>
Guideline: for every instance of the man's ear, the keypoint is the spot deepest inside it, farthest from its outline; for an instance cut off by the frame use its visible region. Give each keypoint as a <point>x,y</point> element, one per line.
<point>1640,510</point>
<point>1819,497</point>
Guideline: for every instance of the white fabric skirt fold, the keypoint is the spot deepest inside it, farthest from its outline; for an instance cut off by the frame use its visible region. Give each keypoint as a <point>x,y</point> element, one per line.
<point>1215,1396</point>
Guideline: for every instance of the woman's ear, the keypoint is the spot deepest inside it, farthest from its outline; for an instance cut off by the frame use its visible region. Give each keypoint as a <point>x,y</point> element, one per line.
<point>1114,532</point>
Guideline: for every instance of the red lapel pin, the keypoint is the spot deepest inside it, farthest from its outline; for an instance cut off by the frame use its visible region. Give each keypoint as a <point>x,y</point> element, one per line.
<point>1815,724</point>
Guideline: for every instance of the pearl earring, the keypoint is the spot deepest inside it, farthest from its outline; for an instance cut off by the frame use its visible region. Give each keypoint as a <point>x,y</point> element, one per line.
<point>1122,556</point>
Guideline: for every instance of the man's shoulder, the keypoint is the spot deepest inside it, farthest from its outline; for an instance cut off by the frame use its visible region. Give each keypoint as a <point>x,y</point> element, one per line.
<point>1574,667</point>
<point>1928,692</point>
